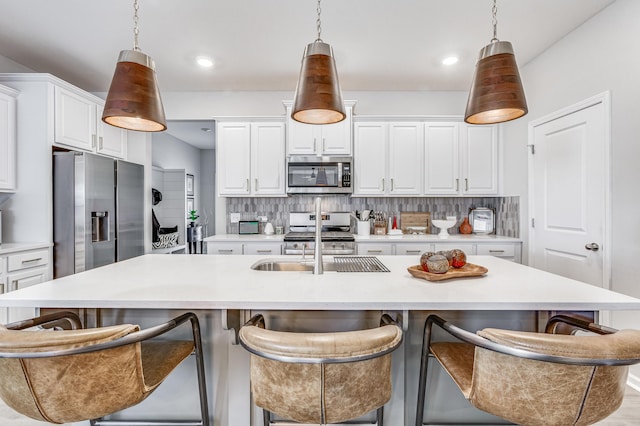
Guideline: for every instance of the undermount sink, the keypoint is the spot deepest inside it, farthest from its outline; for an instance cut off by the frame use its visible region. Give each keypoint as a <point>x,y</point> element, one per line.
<point>289,265</point>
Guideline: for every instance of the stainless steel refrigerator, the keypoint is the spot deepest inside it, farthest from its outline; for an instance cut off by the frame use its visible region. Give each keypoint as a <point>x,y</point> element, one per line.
<point>98,211</point>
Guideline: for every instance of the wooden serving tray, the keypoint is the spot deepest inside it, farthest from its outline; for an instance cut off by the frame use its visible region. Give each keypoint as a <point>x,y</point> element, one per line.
<point>468,270</point>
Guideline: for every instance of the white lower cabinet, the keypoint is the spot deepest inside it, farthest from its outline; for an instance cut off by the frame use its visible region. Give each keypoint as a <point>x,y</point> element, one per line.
<point>262,248</point>
<point>376,249</point>
<point>507,250</point>
<point>237,248</point>
<point>22,269</point>
<point>224,248</point>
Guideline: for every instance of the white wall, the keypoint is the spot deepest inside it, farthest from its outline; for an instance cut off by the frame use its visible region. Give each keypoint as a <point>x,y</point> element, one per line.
<point>600,55</point>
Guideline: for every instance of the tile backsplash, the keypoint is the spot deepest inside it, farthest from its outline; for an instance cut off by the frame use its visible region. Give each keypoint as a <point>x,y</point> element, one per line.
<point>277,209</point>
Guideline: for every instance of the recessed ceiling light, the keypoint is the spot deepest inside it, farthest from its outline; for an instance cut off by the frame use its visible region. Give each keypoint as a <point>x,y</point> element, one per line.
<point>204,61</point>
<point>450,60</point>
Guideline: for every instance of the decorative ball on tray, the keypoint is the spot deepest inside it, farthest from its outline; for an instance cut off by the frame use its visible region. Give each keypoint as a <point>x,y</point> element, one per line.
<point>444,265</point>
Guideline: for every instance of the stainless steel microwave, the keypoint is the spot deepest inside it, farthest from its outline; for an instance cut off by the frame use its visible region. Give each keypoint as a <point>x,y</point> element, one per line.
<point>319,175</point>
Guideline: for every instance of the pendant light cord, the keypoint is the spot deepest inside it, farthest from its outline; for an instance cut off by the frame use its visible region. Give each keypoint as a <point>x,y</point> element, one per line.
<point>318,23</point>
<point>135,25</point>
<point>494,21</point>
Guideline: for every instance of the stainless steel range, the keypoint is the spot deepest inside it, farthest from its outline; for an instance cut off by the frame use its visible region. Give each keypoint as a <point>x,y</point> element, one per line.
<point>337,236</point>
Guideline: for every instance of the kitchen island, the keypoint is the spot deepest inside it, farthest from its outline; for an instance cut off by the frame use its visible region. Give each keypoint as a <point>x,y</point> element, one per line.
<point>224,291</point>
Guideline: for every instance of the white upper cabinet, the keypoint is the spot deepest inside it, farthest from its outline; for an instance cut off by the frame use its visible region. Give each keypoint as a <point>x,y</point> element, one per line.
<point>251,159</point>
<point>388,158</point>
<point>7,138</point>
<point>441,159</point>
<point>461,159</point>
<point>313,139</point>
<point>78,124</point>
<point>479,159</point>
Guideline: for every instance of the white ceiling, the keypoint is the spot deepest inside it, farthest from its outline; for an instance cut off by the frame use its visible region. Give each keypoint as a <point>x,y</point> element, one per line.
<point>258,44</point>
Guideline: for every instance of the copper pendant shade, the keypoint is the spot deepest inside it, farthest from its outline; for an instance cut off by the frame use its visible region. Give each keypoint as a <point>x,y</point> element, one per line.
<point>133,101</point>
<point>496,93</point>
<point>318,98</point>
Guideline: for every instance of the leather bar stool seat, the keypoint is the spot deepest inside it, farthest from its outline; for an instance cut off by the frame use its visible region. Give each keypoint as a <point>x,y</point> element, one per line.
<point>320,378</point>
<point>65,376</point>
<point>536,379</point>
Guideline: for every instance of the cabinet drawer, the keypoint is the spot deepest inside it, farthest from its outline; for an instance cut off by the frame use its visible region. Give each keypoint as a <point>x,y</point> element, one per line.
<point>466,247</point>
<point>29,259</point>
<point>412,249</point>
<point>500,250</point>
<point>232,248</point>
<point>3,263</point>
<point>375,249</point>
<point>259,248</point>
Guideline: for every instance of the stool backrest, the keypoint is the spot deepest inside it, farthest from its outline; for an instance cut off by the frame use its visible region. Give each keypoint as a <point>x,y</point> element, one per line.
<point>528,391</point>
<point>321,377</point>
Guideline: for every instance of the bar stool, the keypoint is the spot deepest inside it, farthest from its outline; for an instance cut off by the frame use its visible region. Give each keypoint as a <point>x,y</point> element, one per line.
<point>534,379</point>
<point>320,378</point>
<point>67,376</point>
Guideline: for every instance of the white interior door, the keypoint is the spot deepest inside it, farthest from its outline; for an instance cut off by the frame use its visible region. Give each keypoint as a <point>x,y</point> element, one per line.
<point>570,192</point>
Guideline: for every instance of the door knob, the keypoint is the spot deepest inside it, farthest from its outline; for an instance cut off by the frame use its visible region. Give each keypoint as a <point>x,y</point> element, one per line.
<point>592,246</point>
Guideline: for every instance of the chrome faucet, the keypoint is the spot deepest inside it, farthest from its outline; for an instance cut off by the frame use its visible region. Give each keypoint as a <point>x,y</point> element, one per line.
<point>317,255</point>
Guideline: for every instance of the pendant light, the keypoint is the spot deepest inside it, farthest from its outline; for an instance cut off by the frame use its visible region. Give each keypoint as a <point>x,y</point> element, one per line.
<point>318,99</point>
<point>496,93</point>
<point>133,101</point>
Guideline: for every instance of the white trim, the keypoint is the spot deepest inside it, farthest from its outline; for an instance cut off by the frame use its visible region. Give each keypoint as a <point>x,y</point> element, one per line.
<point>634,382</point>
<point>605,99</point>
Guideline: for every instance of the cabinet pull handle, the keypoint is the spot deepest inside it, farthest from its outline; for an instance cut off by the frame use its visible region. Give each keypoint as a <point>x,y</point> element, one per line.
<point>248,185</point>
<point>374,251</point>
<point>323,145</point>
<point>263,251</point>
<point>100,144</point>
<point>256,184</point>
<point>496,251</point>
<point>31,260</point>
<point>225,250</point>
<point>466,184</point>
<point>391,184</point>
<point>383,184</point>
<point>457,184</point>
<point>93,141</point>
<point>1,288</point>
<point>412,251</point>
<point>315,145</point>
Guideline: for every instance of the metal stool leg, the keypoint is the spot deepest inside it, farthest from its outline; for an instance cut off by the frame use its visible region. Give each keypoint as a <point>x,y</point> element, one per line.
<point>380,416</point>
<point>266,417</point>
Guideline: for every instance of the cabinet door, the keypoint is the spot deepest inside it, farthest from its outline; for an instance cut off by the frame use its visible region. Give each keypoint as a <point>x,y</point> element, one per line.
<point>7,142</point>
<point>405,158</point>
<point>441,159</point>
<point>267,158</point>
<point>370,159</point>
<point>224,248</point>
<point>24,280</point>
<point>263,248</point>
<point>302,139</point>
<point>233,158</point>
<point>112,141</point>
<point>335,139</point>
<point>377,249</point>
<point>480,160</point>
<point>75,120</point>
<point>3,290</point>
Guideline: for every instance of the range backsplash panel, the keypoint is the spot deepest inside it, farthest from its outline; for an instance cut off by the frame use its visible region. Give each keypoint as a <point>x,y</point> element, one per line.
<point>277,209</point>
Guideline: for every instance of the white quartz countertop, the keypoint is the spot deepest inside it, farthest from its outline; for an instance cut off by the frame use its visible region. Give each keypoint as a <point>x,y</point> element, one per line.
<point>246,238</point>
<point>6,248</point>
<point>161,281</point>
<point>405,238</point>
<point>434,238</point>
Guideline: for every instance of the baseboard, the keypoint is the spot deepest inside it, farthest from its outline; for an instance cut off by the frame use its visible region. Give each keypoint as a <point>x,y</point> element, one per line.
<point>634,382</point>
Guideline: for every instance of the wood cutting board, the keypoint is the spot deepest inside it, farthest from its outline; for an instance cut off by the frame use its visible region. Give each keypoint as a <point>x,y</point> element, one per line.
<point>409,219</point>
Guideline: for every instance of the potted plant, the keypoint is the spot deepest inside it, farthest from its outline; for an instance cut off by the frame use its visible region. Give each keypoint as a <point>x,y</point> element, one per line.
<point>192,217</point>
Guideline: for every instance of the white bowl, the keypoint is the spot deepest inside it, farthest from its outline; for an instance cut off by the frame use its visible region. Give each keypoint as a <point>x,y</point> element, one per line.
<point>443,225</point>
